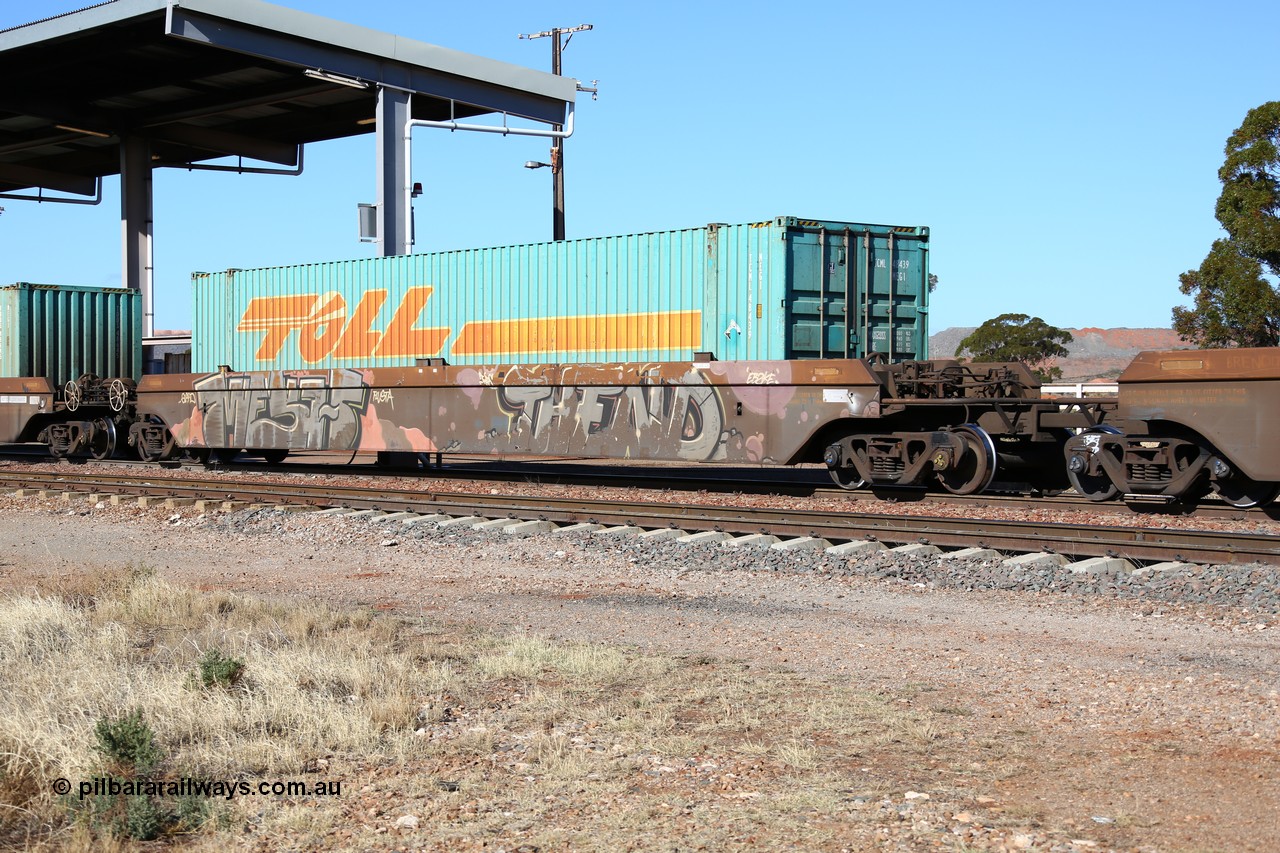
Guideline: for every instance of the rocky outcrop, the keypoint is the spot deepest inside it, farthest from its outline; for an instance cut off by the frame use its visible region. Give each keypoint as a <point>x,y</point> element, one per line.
<point>1094,353</point>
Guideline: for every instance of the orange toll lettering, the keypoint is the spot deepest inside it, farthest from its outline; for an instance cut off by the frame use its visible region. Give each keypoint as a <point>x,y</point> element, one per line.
<point>403,337</point>
<point>318,337</point>
<point>276,317</point>
<point>325,330</point>
<point>361,339</point>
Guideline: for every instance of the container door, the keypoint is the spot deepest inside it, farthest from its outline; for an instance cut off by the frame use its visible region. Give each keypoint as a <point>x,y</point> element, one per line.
<point>893,312</point>
<point>823,283</point>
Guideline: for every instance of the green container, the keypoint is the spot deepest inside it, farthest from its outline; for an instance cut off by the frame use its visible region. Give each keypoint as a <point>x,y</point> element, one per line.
<point>61,332</point>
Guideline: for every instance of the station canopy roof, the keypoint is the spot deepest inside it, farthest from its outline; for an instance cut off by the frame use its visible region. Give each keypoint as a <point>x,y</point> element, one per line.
<point>204,79</point>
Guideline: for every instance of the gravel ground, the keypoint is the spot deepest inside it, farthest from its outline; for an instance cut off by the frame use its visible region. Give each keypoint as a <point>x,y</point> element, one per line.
<point>1152,699</point>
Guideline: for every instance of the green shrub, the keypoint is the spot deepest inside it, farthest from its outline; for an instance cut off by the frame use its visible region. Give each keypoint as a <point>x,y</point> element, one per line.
<point>218,670</point>
<point>128,741</point>
<point>143,819</point>
<point>130,747</point>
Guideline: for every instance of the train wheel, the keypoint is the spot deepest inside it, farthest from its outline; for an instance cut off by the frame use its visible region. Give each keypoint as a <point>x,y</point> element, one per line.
<point>976,467</point>
<point>843,475</point>
<point>147,450</point>
<point>274,457</point>
<point>846,477</point>
<point>102,443</point>
<point>1243,492</point>
<point>1096,487</point>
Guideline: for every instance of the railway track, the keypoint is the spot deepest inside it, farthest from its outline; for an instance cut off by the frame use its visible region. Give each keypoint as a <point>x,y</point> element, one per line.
<point>800,482</point>
<point>1139,544</point>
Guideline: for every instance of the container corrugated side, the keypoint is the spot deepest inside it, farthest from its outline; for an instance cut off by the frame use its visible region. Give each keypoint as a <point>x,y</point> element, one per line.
<point>61,332</point>
<point>739,291</point>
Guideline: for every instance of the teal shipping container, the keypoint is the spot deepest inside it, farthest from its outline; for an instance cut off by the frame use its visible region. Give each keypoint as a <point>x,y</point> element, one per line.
<point>786,288</point>
<point>62,332</point>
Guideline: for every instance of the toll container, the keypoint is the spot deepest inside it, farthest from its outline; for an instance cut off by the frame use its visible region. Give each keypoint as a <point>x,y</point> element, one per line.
<point>61,332</point>
<point>786,288</point>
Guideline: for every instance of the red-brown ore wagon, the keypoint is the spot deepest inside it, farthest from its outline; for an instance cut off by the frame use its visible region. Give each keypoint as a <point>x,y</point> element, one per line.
<point>1188,421</point>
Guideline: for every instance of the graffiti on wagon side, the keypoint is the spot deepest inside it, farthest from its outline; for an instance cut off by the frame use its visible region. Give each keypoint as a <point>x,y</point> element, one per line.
<point>683,420</point>
<point>285,409</point>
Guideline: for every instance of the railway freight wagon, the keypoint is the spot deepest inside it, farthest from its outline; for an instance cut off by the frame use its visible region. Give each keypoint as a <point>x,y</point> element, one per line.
<point>1188,421</point>
<point>69,359</point>
<point>766,291</point>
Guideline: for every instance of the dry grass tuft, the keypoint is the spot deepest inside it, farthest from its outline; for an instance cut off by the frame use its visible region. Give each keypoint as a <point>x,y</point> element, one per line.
<point>487,740</point>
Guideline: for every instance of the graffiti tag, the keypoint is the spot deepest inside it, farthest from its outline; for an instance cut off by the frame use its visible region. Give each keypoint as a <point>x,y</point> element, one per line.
<point>283,409</point>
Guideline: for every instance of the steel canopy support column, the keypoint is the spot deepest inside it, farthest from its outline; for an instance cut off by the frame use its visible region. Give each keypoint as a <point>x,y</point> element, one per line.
<point>394,226</point>
<point>136,223</point>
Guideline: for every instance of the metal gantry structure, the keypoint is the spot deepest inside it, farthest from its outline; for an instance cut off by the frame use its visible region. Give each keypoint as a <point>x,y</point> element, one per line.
<point>133,85</point>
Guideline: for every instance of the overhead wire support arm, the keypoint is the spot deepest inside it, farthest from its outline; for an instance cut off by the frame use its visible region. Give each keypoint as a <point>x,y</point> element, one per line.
<point>569,31</point>
<point>557,144</point>
<point>504,129</point>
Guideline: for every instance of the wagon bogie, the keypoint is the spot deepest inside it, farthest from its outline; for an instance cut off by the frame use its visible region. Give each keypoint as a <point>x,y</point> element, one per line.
<point>151,441</point>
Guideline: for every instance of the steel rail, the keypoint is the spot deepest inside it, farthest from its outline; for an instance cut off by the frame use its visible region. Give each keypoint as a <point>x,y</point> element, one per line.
<point>1071,540</point>
<point>678,479</point>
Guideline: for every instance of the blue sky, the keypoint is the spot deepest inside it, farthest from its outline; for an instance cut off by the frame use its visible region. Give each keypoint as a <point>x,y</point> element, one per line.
<point>1064,156</point>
